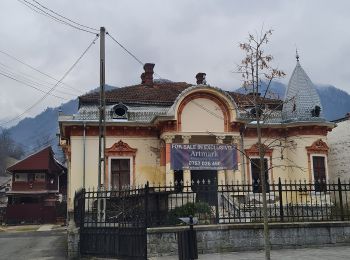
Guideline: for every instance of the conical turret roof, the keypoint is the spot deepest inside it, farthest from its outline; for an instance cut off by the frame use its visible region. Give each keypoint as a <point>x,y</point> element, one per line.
<point>302,102</point>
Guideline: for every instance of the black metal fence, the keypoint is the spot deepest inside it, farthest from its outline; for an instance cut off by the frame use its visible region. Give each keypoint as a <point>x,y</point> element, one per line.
<point>114,222</point>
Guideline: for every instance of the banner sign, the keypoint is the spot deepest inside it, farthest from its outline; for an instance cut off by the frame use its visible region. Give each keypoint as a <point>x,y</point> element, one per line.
<point>203,156</point>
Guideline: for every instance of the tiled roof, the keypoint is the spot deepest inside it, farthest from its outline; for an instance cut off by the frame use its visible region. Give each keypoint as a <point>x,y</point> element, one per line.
<point>246,100</point>
<point>39,161</point>
<point>301,98</point>
<point>164,93</point>
<point>158,94</point>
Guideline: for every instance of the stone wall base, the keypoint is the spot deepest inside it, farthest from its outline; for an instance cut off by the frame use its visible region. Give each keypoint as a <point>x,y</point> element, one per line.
<point>240,237</point>
<point>73,239</point>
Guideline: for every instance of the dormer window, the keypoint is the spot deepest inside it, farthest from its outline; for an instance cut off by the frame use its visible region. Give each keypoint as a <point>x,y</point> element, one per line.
<point>316,111</point>
<point>120,111</point>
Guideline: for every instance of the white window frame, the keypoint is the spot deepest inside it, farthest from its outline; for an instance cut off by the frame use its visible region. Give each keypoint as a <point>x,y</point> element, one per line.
<point>131,158</point>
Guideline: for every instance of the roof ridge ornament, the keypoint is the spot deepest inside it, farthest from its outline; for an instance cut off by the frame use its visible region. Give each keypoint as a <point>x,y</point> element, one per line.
<point>297,54</point>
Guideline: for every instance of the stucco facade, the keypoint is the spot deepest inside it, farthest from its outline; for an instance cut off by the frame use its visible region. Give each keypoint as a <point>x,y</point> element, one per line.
<point>159,114</point>
<point>339,154</point>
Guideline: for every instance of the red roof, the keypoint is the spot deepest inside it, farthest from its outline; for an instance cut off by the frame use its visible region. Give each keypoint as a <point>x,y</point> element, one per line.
<point>40,161</point>
<point>162,93</point>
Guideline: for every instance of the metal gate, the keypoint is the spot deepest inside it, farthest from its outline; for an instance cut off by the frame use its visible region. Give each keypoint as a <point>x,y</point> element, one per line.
<point>113,223</point>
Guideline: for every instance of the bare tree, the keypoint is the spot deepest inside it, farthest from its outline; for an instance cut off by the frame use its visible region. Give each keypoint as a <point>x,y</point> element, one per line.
<point>256,70</point>
<point>8,148</point>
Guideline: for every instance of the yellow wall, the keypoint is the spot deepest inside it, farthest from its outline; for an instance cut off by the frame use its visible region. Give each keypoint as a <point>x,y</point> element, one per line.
<point>294,165</point>
<point>202,115</point>
<point>146,161</point>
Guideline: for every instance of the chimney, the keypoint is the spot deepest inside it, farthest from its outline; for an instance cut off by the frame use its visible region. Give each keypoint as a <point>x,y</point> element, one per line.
<point>201,78</point>
<point>147,76</point>
<point>143,78</point>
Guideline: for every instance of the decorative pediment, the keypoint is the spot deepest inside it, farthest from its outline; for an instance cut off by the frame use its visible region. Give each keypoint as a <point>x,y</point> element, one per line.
<point>120,148</point>
<point>318,146</point>
<point>254,150</point>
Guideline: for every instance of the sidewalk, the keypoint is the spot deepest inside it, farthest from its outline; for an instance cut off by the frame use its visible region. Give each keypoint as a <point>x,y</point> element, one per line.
<point>28,228</point>
<point>324,253</point>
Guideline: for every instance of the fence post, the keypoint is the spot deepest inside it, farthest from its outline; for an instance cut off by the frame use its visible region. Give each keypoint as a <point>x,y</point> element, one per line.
<point>281,201</point>
<point>146,218</point>
<point>216,186</point>
<point>340,200</point>
<point>81,207</point>
<point>146,203</point>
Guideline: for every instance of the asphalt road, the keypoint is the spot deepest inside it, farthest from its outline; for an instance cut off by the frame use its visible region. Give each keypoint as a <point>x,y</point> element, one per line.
<point>33,245</point>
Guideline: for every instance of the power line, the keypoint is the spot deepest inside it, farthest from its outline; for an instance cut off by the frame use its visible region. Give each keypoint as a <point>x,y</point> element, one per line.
<point>33,87</point>
<point>26,81</point>
<point>35,10</point>
<point>125,49</point>
<point>53,88</point>
<point>53,17</point>
<point>65,17</point>
<point>37,70</point>
<point>129,52</point>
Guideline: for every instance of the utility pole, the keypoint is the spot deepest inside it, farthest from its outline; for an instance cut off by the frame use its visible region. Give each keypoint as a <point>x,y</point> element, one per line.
<point>102,112</point>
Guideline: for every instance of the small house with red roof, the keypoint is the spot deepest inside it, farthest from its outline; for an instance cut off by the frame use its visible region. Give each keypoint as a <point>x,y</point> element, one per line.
<point>39,186</point>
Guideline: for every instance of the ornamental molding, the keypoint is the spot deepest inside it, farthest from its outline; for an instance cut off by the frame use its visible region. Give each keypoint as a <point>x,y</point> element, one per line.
<point>254,150</point>
<point>169,138</point>
<point>120,148</point>
<point>319,146</point>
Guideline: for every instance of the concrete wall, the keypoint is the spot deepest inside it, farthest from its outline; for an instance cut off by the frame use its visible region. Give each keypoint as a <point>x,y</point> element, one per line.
<point>240,237</point>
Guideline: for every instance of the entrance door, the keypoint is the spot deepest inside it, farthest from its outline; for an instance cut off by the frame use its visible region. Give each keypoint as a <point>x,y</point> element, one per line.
<point>319,173</point>
<point>120,173</point>
<point>256,181</point>
<point>205,186</point>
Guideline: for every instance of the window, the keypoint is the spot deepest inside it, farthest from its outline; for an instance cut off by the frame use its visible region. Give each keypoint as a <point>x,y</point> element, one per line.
<point>120,173</point>
<point>21,177</point>
<point>319,173</point>
<point>256,182</point>
<point>40,177</point>
<point>120,111</point>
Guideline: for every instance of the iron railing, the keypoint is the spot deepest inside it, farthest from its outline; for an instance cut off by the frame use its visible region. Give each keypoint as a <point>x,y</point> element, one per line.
<point>114,222</point>
<point>158,205</point>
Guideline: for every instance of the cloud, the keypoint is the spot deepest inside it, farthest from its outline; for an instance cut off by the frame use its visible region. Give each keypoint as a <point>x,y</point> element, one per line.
<point>182,37</point>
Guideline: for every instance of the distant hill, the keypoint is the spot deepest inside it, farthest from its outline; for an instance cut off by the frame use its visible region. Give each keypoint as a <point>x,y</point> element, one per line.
<point>335,102</point>
<point>40,131</point>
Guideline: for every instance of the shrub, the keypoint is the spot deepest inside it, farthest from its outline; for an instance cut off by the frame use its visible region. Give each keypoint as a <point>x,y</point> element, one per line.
<point>201,210</point>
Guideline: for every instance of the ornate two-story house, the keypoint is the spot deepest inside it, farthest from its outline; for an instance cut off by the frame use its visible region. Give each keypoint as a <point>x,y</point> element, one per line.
<point>164,132</point>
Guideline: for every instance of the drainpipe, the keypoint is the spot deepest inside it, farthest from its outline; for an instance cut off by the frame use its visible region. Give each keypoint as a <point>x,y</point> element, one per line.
<point>241,132</point>
<point>84,152</point>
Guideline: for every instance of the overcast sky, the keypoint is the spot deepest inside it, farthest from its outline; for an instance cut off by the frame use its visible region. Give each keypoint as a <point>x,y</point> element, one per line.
<point>181,37</point>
